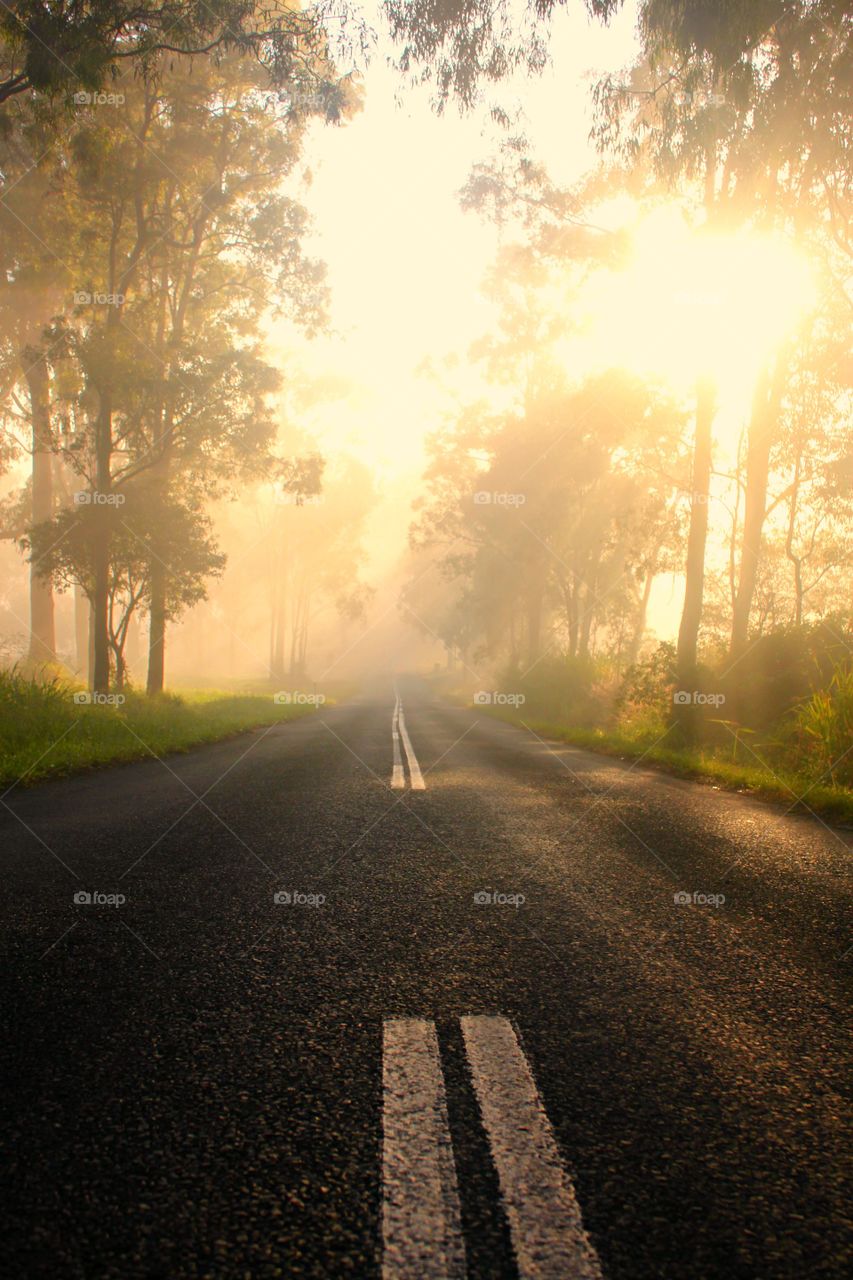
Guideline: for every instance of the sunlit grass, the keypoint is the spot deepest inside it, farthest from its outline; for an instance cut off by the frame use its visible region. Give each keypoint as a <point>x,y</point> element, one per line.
<point>43,732</point>
<point>793,789</point>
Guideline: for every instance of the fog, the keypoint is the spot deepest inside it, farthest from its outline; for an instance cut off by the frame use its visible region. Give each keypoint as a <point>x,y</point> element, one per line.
<point>532,384</point>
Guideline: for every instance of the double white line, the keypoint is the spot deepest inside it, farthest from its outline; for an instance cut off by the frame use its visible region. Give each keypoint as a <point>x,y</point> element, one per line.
<point>421,1226</point>
<point>398,731</point>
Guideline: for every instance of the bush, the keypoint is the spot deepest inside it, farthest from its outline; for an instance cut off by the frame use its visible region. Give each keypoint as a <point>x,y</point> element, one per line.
<point>825,729</point>
<point>43,730</point>
<point>556,688</point>
<point>644,701</point>
<point>782,668</point>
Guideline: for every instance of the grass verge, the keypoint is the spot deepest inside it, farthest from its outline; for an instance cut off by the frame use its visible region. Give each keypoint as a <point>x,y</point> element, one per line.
<point>45,733</point>
<point>795,790</point>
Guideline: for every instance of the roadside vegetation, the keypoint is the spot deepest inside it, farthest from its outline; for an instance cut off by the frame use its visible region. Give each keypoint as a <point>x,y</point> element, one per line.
<point>666,452</point>
<point>47,729</point>
<point>791,742</point>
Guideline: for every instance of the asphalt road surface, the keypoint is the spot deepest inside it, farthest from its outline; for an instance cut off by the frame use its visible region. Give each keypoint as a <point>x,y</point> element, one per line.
<point>476,1033</point>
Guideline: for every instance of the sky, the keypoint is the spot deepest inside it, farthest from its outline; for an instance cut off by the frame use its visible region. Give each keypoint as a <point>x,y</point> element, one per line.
<point>405,263</point>
<point>405,266</point>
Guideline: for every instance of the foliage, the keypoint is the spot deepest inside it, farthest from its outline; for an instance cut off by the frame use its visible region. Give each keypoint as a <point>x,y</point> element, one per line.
<point>553,530</point>
<point>782,668</point>
<point>780,785</point>
<point>558,686</point>
<point>44,731</point>
<point>825,723</point>
<point>648,685</point>
<point>65,47</point>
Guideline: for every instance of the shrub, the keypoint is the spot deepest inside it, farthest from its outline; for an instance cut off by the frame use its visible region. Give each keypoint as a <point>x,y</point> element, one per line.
<point>556,688</point>
<point>782,668</point>
<point>645,698</point>
<point>825,725</point>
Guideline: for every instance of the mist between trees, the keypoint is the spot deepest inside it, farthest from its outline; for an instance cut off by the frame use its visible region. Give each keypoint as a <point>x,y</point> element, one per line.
<point>150,237</point>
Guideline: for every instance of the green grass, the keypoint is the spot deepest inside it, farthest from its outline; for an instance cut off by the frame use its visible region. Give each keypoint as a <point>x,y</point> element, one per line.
<point>44,733</point>
<point>781,786</point>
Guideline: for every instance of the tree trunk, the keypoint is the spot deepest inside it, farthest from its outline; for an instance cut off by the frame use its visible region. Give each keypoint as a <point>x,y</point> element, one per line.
<point>534,626</point>
<point>90,646</point>
<point>101,557</point>
<point>694,576</point>
<point>586,621</point>
<point>100,614</point>
<point>279,601</point>
<point>279,625</point>
<point>639,631</point>
<point>795,560</point>
<point>42,626</point>
<point>81,632</point>
<point>765,409</point>
<point>157,628</point>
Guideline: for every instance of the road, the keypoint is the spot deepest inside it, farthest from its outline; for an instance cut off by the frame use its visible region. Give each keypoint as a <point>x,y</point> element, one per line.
<point>476,1023</point>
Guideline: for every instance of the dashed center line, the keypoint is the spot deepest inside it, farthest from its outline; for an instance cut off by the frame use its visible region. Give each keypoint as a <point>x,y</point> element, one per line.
<point>421,1224</point>
<point>398,731</point>
<point>398,777</point>
<point>421,1228</point>
<point>416,778</point>
<point>544,1217</point>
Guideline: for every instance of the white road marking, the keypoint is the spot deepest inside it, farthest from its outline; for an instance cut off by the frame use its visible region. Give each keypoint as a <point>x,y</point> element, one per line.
<point>421,1226</point>
<point>416,778</point>
<point>398,777</point>
<point>544,1216</point>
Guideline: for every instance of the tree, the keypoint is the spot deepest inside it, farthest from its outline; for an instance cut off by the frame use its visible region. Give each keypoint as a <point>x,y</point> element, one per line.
<point>753,102</point>
<point>297,480</point>
<point>185,240</point>
<point>549,518</point>
<point>684,713</point>
<point>67,47</point>
<point>230,250</point>
<point>35,240</point>
<point>65,552</point>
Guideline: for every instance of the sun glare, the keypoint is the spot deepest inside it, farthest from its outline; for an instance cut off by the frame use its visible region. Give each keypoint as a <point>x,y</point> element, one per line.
<point>699,303</point>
